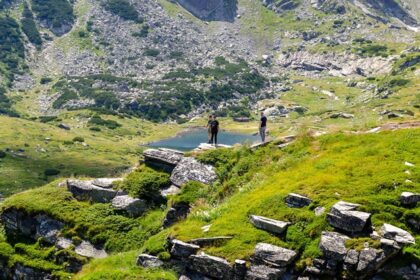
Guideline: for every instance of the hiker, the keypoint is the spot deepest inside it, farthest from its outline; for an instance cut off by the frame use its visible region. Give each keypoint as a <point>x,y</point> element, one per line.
<point>214,127</point>
<point>263,126</point>
<point>209,129</point>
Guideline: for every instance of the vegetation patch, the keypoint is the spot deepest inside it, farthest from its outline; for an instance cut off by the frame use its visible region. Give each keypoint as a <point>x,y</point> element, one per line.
<point>123,9</point>
<point>29,26</point>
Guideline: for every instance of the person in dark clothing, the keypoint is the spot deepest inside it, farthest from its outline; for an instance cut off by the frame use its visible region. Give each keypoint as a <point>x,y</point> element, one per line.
<point>263,126</point>
<point>214,126</point>
<point>208,126</point>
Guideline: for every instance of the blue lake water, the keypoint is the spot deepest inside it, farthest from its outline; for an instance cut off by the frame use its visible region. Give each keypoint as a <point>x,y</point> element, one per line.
<point>191,139</point>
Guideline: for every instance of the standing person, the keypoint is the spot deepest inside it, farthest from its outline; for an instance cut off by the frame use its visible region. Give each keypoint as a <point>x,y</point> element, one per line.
<point>214,130</point>
<point>263,126</point>
<point>209,129</point>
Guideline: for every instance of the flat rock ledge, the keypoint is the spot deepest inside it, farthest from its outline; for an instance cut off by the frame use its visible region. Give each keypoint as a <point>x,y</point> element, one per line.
<point>273,256</point>
<point>269,225</point>
<point>397,234</point>
<point>87,191</point>
<point>190,169</point>
<point>294,200</point>
<point>211,266</point>
<point>165,159</point>
<point>344,216</point>
<point>182,249</point>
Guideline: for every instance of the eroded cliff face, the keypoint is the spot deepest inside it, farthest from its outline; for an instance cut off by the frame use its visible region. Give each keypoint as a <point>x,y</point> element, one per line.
<point>215,10</point>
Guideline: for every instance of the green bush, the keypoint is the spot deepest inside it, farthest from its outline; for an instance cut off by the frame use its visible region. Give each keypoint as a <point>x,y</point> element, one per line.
<point>56,13</point>
<point>123,9</point>
<point>29,26</point>
<point>51,172</point>
<point>97,120</point>
<point>45,80</point>
<point>151,52</point>
<point>97,129</point>
<point>191,192</point>
<point>78,139</point>
<point>146,183</point>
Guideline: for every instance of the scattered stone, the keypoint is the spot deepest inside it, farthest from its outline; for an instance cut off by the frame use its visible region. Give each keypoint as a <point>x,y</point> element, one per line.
<point>189,169</point>
<point>133,206</point>
<point>165,159</point>
<point>270,225</point>
<point>262,272</point>
<point>209,241</point>
<point>106,183</point>
<point>343,216</point>
<point>333,246</point>
<point>86,249</point>
<point>64,126</point>
<point>319,211</point>
<point>212,266</point>
<point>85,190</point>
<point>181,249</point>
<point>273,255</point>
<point>409,199</point>
<point>172,190</point>
<point>148,261</point>
<point>399,235</point>
<point>297,201</point>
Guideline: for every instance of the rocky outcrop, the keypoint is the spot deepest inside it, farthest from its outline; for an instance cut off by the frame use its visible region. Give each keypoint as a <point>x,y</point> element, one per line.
<point>148,261</point>
<point>333,245</point>
<point>262,272</point>
<point>399,235</point>
<point>211,266</point>
<point>189,169</point>
<point>178,211</point>
<point>297,201</point>
<point>87,191</point>
<point>330,6</point>
<point>106,183</point>
<point>271,255</point>
<point>183,250</point>
<point>165,159</point>
<point>280,6</point>
<point>344,216</point>
<point>409,199</point>
<point>134,207</point>
<point>267,224</point>
<point>48,228</point>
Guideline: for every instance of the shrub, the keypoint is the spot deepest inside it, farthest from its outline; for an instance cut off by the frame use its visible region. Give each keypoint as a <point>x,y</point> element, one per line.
<point>78,139</point>
<point>123,9</point>
<point>55,12</point>
<point>97,129</point>
<point>146,184</point>
<point>144,31</point>
<point>97,120</point>
<point>51,172</point>
<point>151,52</point>
<point>29,26</point>
<point>45,80</point>
<point>3,154</point>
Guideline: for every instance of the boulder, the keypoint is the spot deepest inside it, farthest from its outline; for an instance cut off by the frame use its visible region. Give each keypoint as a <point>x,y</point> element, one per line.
<point>370,260</point>
<point>333,245</point>
<point>86,249</point>
<point>48,228</point>
<point>297,201</point>
<point>209,241</point>
<point>181,249</point>
<point>273,255</point>
<point>267,224</point>
<point>172,190</point>
<point>262,272</point>
<point>165,159</point>
<point>134,207</point>
<point>106,183</point>
<point>148,261</point>
<point>189,169</point>
<point>409,199</point>
<point>86,190</point>
<point>211,266</point>
<point>399,235</point>
<point>343,216</point>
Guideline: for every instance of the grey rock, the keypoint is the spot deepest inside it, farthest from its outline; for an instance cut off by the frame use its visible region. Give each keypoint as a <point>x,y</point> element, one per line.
<point>48,228</point>
<point>27,273</point>
<point>343,216</point>
<point>85,190</point>
<point>239,270</point>
<point>397,234</point>
<point>409,199</point>
<point>165,159</point>
<point>106,183</point>
<point>333,246</point>
<point>341,115</point>
<point>319,211</point>
<point>262,272</point>
<point>211,266</point>
<point>63,243</point>
<point>64,126</point>
<point>267,224</point>
<point>370,260</point>
<point>297,201</point>
<point>177,212</point>
<point>189,169</point>
<point>182,249</point>
<point>273,255</point>
<point>133,206</point>
<point>86,249</point>
<point>148,261</point>
<point>209,241</point>
<point>172,190</point>
<point>352,257</point>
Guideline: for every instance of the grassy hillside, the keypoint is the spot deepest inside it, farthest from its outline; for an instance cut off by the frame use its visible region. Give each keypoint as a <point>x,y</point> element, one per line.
<point>366,168</point>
